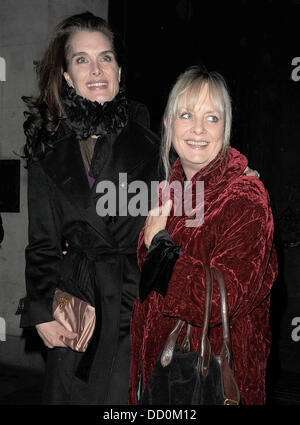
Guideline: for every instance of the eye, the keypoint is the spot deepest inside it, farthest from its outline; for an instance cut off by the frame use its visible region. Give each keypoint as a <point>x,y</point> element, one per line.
<point>81,59</point>
<point>185,115</point>
<point>107,58</point>
<point>213,118</point>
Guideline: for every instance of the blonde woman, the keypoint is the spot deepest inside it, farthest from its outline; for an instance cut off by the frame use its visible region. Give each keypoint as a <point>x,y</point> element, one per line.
<point>236,238</point>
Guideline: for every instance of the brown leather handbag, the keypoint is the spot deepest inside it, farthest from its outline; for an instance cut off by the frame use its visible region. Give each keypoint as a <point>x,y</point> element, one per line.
<point>199,377</point>
<point>75,315</point>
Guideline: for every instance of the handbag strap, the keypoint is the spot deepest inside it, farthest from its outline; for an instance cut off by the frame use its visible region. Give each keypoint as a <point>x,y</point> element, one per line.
<point>169,346</point>
<point>225,318</point>
<point>205,348</point>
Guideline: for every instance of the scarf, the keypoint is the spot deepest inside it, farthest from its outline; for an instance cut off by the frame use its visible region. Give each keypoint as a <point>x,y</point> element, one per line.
<point>86,118</point>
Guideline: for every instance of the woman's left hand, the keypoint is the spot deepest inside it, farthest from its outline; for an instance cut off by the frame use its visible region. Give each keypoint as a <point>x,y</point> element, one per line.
<point>253,173</point>
<point>156,221</point>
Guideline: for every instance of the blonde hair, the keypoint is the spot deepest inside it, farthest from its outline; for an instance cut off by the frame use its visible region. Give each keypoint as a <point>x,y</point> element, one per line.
<point>186,92</point>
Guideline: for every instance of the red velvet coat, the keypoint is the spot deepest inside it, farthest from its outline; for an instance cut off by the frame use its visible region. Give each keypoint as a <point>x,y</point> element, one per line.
<point>237,239</point>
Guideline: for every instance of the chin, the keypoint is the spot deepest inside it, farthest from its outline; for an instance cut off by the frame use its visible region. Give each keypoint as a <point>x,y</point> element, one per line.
<point>93,98</point>
<point>102,100</point>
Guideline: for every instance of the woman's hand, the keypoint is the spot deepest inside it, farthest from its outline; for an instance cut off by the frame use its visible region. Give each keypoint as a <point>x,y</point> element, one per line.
<point>253,173</point>
<point>156,221</point>
<point>52,332</point>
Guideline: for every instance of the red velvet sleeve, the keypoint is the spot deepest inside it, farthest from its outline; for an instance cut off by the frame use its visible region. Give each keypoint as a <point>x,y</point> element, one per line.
<point>243,228</point>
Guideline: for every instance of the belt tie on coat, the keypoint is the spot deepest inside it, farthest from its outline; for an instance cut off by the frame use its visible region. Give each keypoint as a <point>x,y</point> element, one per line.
<point>85,274</point>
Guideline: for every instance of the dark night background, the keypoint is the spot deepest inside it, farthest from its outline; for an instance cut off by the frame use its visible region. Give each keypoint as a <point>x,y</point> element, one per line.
<point>252,44</point>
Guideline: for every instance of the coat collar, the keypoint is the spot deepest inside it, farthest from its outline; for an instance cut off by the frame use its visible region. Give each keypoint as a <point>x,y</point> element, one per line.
<point>233,164</point>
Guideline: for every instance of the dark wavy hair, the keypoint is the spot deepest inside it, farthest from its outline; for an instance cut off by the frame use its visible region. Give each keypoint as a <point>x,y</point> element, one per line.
<point>46,110</point>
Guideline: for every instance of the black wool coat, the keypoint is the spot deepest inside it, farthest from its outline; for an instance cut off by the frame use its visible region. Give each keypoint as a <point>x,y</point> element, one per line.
<point>102,250</point>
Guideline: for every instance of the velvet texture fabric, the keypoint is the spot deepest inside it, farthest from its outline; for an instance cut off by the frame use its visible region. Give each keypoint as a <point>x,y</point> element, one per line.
<point>236,238</point>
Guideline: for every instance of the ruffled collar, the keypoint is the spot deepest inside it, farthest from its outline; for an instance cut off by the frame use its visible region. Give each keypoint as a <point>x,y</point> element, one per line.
<point>87,118</point>
<point>231,165</point>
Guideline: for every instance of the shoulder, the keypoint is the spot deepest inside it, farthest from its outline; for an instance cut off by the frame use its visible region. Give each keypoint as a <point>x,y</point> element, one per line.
<point>41,144</point>
<point>246,196</point>
<point>240,187</point>
<point>139,112</point>
<point>60,146</point>
<point>142,133</point>
<point>248,187</point>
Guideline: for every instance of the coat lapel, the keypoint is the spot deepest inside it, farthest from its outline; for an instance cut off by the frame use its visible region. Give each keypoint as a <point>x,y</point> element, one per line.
<point>132,148</point>
<point>133,157</point>
<point>65,166</point>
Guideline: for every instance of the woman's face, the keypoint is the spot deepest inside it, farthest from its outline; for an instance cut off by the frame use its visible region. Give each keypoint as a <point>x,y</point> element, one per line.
<point>92,67</point>
<point>198,134</point>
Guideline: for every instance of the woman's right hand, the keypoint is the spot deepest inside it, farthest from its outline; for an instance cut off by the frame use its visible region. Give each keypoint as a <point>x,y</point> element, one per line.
<point>156,221</point>
<point>52,332</point>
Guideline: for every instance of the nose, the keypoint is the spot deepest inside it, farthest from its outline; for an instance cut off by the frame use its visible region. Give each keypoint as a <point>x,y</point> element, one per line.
<point>199,126</point>
<point>96,68</point>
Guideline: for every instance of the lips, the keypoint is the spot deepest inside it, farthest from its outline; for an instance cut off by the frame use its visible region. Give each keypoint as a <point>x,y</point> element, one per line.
<point>197,144</point>
<point>97,85</point>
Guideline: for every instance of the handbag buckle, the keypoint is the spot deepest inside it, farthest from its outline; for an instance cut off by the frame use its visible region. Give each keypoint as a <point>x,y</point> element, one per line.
<point>229,401</point>
<point>62,301</point>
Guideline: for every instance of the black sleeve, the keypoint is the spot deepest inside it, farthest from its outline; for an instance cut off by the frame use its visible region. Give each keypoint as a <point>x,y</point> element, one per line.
<point>43,253</point>
<point>158,265</point>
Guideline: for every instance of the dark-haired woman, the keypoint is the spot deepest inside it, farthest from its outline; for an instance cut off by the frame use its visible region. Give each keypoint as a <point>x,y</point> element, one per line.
<point>81,132</point>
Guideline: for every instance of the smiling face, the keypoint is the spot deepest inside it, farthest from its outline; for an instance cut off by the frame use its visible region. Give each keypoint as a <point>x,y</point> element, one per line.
<point>92,67</point>
<point>198,134</point>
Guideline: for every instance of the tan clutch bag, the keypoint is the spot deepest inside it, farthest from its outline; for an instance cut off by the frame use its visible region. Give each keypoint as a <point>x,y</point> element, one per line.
<point>75,315</point>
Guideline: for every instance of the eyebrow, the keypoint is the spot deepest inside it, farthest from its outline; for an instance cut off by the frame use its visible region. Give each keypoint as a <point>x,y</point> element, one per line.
<point>105,52</point>
<point>214,111</point>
